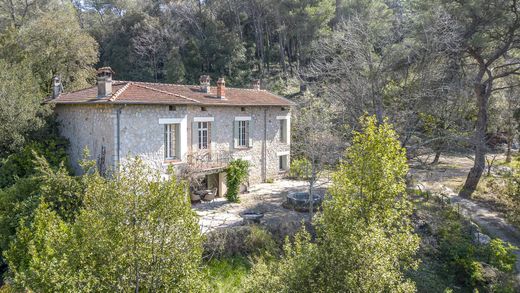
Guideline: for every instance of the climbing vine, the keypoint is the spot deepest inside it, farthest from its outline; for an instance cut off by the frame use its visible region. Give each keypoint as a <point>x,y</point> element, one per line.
<point>236,174</point>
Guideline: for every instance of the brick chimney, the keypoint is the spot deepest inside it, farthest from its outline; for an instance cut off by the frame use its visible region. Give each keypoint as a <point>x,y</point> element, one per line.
<point>57,87</point>
<point>205,83</point>
<point>221,88</point>
<point>255,84</point>
<point>104,82</point>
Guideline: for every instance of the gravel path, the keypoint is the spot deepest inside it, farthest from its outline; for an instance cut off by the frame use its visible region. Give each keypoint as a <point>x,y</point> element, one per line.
<point>451,173</point>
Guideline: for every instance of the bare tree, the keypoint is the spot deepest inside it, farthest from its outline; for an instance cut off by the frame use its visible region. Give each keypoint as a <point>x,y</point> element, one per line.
<point>316,139</point>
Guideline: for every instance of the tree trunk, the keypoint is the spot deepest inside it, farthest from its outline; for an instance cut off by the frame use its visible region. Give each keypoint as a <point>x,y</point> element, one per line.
<point>508,152</point>
<point>437,157</point>
<point>482,92</point>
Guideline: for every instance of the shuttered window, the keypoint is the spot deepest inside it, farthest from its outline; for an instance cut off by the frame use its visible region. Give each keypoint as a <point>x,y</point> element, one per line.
<point>243,133</point>
<point>203,135</point>
<point>170,141</point>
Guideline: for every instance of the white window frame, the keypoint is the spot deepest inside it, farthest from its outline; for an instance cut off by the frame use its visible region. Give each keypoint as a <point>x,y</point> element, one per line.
<point>243,136</point>
<point>181,135</point>
<point>285,129</point>
<point>171,132</point>
<point>203,131</point>
<point>243,133</point>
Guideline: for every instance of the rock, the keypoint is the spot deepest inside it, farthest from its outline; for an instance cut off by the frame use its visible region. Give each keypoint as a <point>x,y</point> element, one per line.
<point>481,239</point>
<point>474,227</point>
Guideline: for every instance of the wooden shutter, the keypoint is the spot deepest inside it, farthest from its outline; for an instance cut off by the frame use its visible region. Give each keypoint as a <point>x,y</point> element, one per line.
<point>212,136</point>
<point>195,136</point>
<point>250,133</point>
<point>235,134</point>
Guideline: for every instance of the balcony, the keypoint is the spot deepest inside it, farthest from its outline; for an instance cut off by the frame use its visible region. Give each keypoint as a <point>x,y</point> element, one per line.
<point>208,161</point>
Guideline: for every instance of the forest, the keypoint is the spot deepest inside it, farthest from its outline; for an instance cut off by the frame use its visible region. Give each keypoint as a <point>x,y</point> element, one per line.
<point>389,94</point>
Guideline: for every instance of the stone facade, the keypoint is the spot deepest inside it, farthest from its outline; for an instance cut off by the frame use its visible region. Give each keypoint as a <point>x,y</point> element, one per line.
<point>138,130</point>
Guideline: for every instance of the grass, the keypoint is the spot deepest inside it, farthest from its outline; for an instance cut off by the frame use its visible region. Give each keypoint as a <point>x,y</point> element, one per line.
<point>225,275</point>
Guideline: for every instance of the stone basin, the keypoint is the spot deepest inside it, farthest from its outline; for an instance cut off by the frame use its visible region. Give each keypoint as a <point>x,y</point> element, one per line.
<point>252,217</point>
<point>299,201</point>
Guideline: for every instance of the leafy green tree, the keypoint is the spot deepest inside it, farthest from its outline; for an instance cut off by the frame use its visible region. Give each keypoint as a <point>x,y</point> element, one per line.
<point>134,232</point>
<point>20,110</point>
<point>364,240</point>
<point>54,44</point>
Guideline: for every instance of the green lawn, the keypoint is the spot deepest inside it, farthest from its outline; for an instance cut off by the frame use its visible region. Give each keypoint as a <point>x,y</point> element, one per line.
<point>226,274</point>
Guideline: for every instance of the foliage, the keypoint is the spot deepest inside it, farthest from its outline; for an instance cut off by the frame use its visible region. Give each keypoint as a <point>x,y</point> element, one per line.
<point>53,43</point>
<point>63,194</point>
<point>236,174</point>
<point>364,236</point>
<point>295,272</point>
<point>501,255</point>
<point>299,168</point>
<point>240,241</point>
<point>20,108</point>
<point>120,239</point>
<point>22,163</point>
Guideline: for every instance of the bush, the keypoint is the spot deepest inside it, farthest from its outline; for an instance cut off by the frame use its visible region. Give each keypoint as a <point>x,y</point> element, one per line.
<point>501,255</point>
<point>136,231</point>
<point>236,174</point>
<point>240,241</point>
<point>300,168</point>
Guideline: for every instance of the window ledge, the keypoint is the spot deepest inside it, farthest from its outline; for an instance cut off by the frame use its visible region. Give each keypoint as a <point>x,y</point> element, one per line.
<point>172,162</point>
<point>243,148</point>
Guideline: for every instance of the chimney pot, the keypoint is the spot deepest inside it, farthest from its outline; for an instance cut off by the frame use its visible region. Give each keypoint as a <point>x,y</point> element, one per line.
<point>205,83</point>
<point>221,88</point>
<point>255,84</point>
<point>57,87</point>
<point>104,81</point>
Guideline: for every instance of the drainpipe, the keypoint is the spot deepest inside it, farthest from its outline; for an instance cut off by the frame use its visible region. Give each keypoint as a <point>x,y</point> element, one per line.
<point>118,136</point>
<point>264,149</point>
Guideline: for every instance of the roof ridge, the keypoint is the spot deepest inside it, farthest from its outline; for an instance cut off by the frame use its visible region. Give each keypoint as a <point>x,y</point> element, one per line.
<point>190,85</point>
<point>165,92</point>
<point>120,91</point>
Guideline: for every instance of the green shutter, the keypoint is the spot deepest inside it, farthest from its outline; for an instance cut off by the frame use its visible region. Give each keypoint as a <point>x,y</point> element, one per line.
<point>250,133</point>
<point>235,134</point>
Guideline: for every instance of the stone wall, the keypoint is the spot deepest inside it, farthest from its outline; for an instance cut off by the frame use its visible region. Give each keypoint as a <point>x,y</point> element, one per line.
<point>92,127</point>
<point>142,134</point>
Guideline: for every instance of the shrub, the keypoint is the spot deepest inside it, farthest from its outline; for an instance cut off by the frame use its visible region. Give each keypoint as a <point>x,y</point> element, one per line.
<point>364,240</point>
<point>240,241</point>
<point>135,232</point>
<point>300,168</point>
<point>236,174</point>
<point>501,255</point>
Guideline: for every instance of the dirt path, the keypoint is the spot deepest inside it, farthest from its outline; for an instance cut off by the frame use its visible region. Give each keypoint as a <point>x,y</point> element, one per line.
<point>448,176</point>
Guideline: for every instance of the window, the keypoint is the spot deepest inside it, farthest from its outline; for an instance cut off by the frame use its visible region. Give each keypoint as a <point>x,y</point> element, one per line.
<point>243,133</point>
<point>171,149</point>
<point>283,166</point>
<point>283,133</point>
<point>203,109</point>
<point>203,135</point>
<point>172,108</point>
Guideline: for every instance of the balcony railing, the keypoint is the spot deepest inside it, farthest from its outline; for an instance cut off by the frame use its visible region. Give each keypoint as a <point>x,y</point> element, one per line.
<point>208,159</point>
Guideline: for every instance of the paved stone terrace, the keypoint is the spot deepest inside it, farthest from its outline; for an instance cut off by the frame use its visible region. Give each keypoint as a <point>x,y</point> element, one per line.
<point>265,197</point>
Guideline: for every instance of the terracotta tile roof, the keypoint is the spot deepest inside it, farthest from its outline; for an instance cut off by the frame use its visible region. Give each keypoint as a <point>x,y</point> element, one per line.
<point>130,92</point>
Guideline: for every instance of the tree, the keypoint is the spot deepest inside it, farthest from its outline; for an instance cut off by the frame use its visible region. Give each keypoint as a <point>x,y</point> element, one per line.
<point>134,232</point>
<point>315,140</point>
<point>20,110</point>
<point>364,239</point>
<point>490,33</point>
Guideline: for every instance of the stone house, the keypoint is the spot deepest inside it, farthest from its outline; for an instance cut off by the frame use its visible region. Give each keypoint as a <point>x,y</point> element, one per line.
<point>200,127</point>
